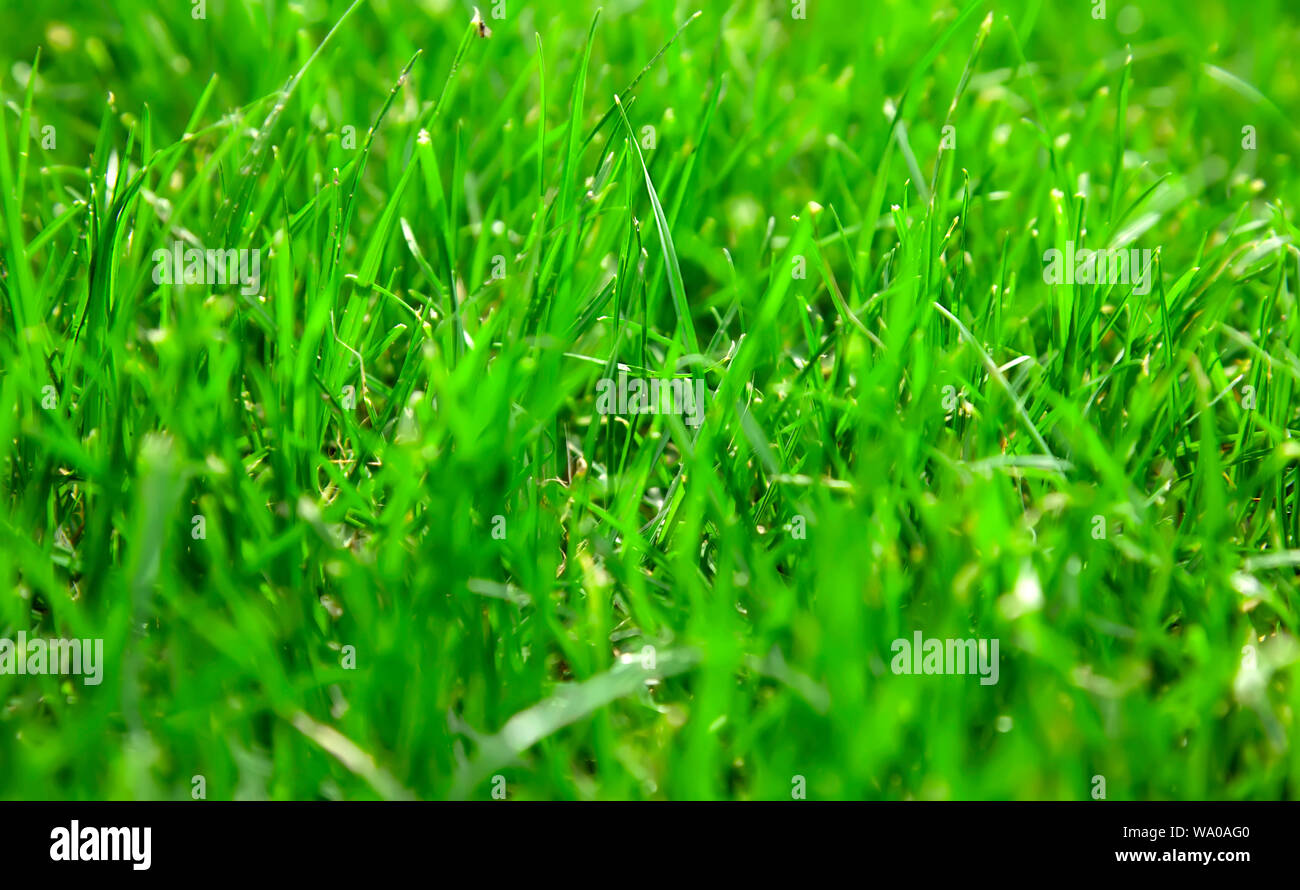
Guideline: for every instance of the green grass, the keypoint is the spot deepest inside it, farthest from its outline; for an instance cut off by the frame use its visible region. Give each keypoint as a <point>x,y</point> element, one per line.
<point>949,431</point>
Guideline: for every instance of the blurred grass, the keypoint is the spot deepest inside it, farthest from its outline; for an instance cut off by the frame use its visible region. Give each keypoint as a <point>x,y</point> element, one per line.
<point>524,653</point>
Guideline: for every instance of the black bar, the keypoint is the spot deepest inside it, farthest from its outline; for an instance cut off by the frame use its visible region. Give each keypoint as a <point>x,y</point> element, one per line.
<point>329,840</point>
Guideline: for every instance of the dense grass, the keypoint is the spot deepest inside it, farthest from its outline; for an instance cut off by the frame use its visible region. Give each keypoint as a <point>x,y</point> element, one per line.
<point>1161,656</point>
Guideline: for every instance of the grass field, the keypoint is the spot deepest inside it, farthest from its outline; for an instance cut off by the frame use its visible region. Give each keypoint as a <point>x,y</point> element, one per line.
<point>357,525</point>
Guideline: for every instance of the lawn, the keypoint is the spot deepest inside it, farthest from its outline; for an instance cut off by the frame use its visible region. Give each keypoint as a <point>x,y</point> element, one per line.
<point>327,334</point>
